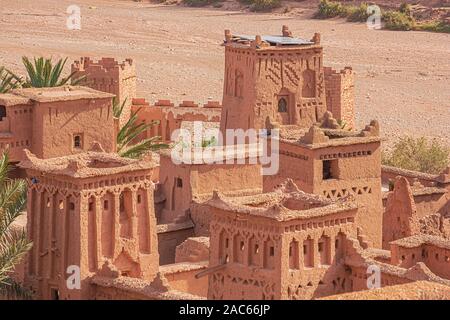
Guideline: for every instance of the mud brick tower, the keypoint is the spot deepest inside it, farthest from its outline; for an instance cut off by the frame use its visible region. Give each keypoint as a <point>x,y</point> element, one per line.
<point>335,163</point>
<point>280,80</point>
<point>108,75</point>
<point>285,244</point>
<point>340,92</point>
<point>272,80</point>
<point>93,211</point>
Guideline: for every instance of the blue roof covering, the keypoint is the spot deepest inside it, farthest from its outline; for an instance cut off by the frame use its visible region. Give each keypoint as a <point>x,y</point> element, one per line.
<point>277,40</point>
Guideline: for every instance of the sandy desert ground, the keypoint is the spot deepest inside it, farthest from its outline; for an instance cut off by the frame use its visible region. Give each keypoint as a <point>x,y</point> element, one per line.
<point>403,78</point>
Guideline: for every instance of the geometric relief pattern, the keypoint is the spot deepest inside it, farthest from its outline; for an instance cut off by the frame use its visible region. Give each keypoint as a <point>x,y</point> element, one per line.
<point>356,191</point>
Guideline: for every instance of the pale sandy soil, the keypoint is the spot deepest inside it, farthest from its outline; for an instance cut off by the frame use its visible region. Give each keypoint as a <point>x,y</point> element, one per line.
<point>403,78</point>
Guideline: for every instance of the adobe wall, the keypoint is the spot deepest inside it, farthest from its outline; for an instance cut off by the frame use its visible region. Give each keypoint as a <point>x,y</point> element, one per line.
<point>108,75</point>
<point>181,277</point>
<point>124,288</point>
<point>55,124</point>
<point>170,236</point>
<point>86,223</point>
<point>182,183</point>
<point>16,130</point>
<point>360,276</point>
<point>326,273</point>
<point>298,259</point>
<point>356,170</point>
<point>417,290</point>
<point>389,173</point>
<point>256,79</point>
<point>340,94</point>
<point>193,249</point>
<point>437,259</point>
<point>415,209</point>
<point>169,117</point>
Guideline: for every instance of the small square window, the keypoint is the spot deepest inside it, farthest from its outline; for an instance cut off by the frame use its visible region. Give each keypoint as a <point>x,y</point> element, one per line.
<point>330,169</point>
<point>78,141</point>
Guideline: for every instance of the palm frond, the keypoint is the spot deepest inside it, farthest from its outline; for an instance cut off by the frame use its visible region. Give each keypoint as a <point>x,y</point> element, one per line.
<point>4,167</point>
<point>139,149</point>
<point>42,73</point>
<point>12,202</point>
<point>13,243</point>
<point>13,247</point>
<point>8,80</point>
<point>12,290</point>
<point>118,107</point>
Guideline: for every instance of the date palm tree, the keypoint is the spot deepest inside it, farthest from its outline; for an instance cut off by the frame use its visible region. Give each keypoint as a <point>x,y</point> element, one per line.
<point>126,145</point>
<point>42,73</point>
<point>13,242</point>
<point>8,80</point>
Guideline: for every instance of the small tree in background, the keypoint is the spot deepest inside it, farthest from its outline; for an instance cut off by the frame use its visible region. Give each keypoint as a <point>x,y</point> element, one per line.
<point>13,242</point>
<point>418,155</point>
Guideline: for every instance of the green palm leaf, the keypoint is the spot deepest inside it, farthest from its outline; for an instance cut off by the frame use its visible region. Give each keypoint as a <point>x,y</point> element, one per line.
<point>42,73</point>
<point>13,243</point>
<point>130,131</point>
<point>8,80</point>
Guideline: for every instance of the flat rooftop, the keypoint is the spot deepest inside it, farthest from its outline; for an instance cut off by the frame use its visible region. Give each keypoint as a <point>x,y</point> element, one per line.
<point>422,239</point>
<point>284,204</point>
<point>63,93</point>
<point>273,40</point>
<point>86,164</point>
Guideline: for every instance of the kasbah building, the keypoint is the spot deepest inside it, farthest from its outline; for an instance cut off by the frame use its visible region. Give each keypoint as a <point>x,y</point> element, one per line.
<point>330,223</point>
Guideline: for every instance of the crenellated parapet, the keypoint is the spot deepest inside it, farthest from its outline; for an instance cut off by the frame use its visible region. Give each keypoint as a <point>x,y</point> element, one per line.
<point>89,210</point>
<point>109,75</point>
<point>166,116</point>
<point>340,93</point>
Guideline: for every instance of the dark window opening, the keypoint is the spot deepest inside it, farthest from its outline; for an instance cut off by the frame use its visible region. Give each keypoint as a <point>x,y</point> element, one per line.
<point>54,293</point>
<point>320,246</point>
<point>282,105</point>
<point>105,205</point>
<point>77,141</point>
<point>329,169</point>
<point>272,251</point>
<point>91,206</point>
<point>2,112</point>
<point>72,206</point>
<point>121,203</point>
<point>139,198</point>
<point>179,183</point>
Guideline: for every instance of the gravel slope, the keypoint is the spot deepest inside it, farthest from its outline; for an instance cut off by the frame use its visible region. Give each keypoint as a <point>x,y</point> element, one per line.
<point>403,78</point>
